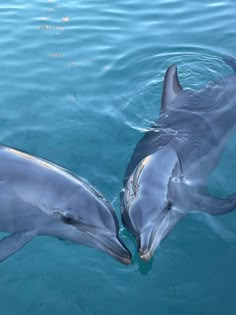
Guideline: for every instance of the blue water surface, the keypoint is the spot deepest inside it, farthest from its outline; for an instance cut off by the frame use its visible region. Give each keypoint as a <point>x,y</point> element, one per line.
<point>80,82</point>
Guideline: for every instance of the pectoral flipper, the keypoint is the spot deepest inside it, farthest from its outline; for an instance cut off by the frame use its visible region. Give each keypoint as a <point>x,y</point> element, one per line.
<point>216,206</point>
<point>13,242</point>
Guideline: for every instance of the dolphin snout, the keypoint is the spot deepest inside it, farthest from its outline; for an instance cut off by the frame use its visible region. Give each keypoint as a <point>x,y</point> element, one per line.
<point>117,249</point>
<point>146,244</point>
<point>146,255</point>
<point>151,236</point>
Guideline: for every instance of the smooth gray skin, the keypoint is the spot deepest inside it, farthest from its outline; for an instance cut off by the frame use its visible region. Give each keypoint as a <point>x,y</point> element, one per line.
<point>168,172</point>
<point>41,198</point>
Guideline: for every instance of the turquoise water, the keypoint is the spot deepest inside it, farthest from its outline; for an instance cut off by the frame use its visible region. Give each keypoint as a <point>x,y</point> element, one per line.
<point>80,82</point>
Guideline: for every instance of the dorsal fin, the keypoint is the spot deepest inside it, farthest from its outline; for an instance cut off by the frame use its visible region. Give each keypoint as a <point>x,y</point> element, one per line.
<point>171,87</point>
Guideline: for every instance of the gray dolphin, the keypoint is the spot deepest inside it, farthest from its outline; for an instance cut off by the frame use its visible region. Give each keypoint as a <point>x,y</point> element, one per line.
<point>40,198</point>
<point>169,169</point>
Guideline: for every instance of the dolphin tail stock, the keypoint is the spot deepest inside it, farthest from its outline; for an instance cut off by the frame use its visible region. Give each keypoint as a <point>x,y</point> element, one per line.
<point>230,61</point>
<point>216,206</point>
<point>13,242</point>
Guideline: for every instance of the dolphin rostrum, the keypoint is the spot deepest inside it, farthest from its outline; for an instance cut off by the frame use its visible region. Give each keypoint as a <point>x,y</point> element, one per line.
<point>169,169</point>
<point>40,198</point>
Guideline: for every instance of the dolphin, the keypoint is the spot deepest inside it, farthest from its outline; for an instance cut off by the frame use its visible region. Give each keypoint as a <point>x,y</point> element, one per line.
<point>38,197</point>
<point>167,175</point>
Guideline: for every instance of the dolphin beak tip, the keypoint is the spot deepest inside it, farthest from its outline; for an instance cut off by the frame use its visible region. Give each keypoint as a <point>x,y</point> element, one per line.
<point>126,261</point>
<point>145,255</point>
<point>118,250</point>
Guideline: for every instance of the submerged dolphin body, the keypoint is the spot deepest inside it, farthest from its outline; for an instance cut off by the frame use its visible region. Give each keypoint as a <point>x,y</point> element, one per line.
<point>168,172</point>
<point>41,198</point>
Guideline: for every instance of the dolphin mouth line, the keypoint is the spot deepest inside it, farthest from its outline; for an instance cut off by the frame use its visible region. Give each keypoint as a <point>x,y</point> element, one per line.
<point>124,260</point>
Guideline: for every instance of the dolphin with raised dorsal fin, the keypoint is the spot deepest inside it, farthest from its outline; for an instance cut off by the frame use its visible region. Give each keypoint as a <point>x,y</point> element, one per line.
<point>38,197</point>
<point>169,169</point>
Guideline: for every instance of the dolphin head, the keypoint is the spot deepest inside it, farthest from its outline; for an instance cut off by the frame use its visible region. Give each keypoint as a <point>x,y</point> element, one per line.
<point>149,205</point>
<point>86,217</point>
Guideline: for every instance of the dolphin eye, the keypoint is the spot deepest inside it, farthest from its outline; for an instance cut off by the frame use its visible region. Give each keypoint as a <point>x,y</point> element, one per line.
<point>169,205</point>
<point>68,219</point>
